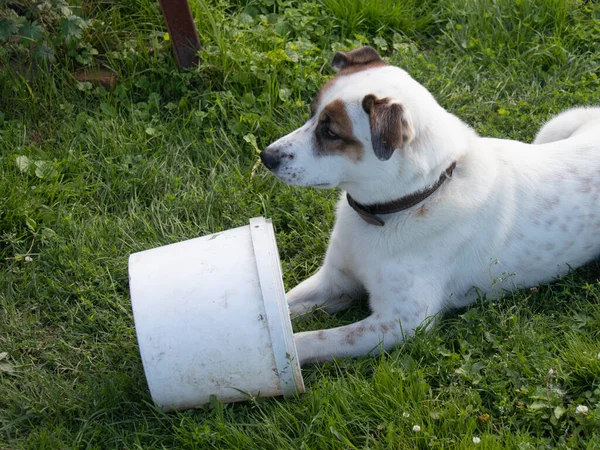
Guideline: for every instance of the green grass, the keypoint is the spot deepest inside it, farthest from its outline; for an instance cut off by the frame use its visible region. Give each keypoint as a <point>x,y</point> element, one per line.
<point>167,156</point>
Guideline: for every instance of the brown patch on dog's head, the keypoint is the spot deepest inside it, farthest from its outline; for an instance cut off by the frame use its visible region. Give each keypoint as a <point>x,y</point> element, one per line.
<point>356,60</point>
<point>390,128</point>
<point>334,134</point>
<point>346,63</point>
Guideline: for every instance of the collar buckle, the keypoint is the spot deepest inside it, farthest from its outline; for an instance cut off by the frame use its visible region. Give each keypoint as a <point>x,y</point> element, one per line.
<point>365,215</point>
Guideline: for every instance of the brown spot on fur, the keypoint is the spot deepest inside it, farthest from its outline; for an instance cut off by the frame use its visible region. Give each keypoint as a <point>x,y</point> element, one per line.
<point>334,119</point>
<point>354,333</point>
<point>361,58</point>
<point>372,328</point>
<point>586,185</point>
<point>384,327</point>
<point>359,68</point>
<point>345,271</point>
<point>347,63</point>
<point>420,212</point>
<point>548,204</point>
<point>354,65</point>
<point>321,335</point>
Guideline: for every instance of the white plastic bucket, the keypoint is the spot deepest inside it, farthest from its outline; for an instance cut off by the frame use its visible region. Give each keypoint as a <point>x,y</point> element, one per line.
<point>211,319</point>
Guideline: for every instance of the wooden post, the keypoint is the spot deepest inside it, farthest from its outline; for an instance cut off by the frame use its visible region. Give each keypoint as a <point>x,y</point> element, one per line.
<point>182,31</point>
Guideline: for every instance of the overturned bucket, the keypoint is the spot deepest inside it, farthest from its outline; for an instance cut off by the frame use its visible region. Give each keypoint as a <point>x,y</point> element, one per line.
<point>211,319</point>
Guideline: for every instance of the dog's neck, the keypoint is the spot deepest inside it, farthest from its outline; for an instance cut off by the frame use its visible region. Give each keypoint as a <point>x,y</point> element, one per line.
<point>416,167</point>
<point>371,213</point>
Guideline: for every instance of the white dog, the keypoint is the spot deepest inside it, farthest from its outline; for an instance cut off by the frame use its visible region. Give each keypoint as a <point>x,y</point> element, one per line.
<point>430,210</point>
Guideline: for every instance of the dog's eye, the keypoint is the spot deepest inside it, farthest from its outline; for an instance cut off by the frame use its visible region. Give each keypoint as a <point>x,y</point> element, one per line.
<point>330,134</point>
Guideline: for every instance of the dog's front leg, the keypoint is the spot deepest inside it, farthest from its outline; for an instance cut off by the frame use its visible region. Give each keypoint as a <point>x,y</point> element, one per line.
<point>365,337</point>
<point>332,288</point>
<point>395,316</point>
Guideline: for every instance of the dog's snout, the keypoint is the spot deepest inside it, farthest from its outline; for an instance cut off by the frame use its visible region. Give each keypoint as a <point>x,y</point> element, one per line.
<point>270,158</point>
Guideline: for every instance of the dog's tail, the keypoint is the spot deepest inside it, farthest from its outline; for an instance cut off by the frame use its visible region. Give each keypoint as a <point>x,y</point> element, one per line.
<point>566,124</point>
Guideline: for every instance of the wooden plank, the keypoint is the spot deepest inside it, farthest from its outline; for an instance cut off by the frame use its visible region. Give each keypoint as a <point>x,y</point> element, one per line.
<point>98,75</point>
<point>182,31</point>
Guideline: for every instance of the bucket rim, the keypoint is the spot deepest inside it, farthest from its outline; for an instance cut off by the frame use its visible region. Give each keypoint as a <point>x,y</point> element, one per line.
<point>276,307</point>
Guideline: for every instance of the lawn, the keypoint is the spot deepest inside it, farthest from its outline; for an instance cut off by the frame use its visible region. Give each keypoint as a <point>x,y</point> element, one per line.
<point>89,175</point>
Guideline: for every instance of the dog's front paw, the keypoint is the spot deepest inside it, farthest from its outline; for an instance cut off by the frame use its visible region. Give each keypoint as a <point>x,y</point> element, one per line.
<point>321,291</point>
<point>300,307</point>
<point>307,348</point>
<point>306,307</point>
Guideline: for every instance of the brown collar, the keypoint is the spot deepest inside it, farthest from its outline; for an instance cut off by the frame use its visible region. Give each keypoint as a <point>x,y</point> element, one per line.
<point>368,212</point>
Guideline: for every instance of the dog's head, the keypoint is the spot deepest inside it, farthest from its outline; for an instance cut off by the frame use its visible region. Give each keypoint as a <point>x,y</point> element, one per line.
<point>361,129</point>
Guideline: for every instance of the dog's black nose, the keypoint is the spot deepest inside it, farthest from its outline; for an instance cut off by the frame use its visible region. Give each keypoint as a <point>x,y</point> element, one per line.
<point>270,159</point>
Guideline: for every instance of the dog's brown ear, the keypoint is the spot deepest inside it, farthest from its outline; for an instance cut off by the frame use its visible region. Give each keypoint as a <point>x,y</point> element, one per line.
<point>359,56</point>
<point>390,126</point>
